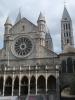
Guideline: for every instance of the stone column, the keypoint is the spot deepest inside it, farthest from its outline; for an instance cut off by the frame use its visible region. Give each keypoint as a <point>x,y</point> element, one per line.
<point>4,81</point>
<point>20,81</point>
<point>4,84</point>
<point>46,78</point>
<point>36,79</point>
<point>29,82</point>
<point>57,82</point>
<point>12,84</point>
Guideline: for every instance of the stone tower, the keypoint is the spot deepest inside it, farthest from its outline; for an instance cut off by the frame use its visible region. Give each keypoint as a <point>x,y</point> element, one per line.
<point>66,30</point>
<point>41,23</point>
<point>8,26</point>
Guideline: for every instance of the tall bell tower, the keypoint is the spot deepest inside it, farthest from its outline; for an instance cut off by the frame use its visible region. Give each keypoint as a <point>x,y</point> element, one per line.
<point>66,30</point>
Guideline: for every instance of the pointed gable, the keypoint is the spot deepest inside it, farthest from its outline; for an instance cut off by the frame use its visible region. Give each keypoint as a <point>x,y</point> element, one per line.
<point>23,26</point>
<point>66,15</point>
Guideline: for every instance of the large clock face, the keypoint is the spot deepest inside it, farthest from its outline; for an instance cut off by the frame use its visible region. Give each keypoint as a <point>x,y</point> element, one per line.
<point>22,46</point>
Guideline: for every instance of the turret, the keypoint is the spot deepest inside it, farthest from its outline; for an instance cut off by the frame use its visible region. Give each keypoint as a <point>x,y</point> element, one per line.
<point>41,28</point>
<point>48,40</point>
<point>7,25</point>
<point>41,23</point>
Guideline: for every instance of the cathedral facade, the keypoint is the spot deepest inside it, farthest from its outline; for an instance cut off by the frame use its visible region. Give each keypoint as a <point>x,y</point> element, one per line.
<point>28,65</point>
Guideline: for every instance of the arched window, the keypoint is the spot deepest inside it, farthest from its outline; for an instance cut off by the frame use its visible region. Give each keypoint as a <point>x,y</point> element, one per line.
<point>51,83</point>
<point>63,66</point>
<point>69,65</point>
<point>32,85</point>
<point>1,85</point>
<point>66,27</point>
<point>41,84</point>
<point>8,86</point>
<point>67,40</point>
<point>24,86</point>
<point>64,34</point>
<point>67,34</point>
<point>16,86</point>
<point>69,26</point>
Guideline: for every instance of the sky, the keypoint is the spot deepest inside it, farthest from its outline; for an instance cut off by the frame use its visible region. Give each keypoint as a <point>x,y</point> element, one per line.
<point>30,9</point>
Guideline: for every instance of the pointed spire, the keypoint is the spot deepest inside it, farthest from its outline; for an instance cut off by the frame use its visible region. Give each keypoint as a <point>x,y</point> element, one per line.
<point>49,43</point>
<point>66,15</point>
<point>47,36</point>
<point>41,17</point>
<point>8,21</point>
<point>18,17</point>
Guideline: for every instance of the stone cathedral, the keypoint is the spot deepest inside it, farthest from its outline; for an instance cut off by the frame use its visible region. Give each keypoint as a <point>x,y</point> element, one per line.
<point>29,67</point>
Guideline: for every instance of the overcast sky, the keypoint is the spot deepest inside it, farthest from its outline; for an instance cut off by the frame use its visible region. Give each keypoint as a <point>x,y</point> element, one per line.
<point>51,9</point>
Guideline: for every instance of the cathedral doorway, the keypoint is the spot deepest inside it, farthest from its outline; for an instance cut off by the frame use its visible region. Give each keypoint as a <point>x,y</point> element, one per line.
<point>51,84</point>
<point>24,86</point>
<point>32,85</point>
<point>8,87</point>
<point>41,85</point>
<point>16,86</point>
<point>1,85</point>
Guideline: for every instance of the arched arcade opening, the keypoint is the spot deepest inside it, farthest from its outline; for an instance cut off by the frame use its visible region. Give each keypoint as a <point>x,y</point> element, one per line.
<point>8,87</point>
<point>24,86</point>
<point>33,85</point>
<point>41,84</point>
<point>1,85</point>
<point>51,84</point>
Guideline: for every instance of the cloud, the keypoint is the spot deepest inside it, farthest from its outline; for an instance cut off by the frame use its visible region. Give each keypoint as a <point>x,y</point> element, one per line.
<point>52,9</point>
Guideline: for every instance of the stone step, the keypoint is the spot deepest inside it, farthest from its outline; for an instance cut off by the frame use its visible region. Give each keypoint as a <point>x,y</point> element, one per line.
<point>8,98</point>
